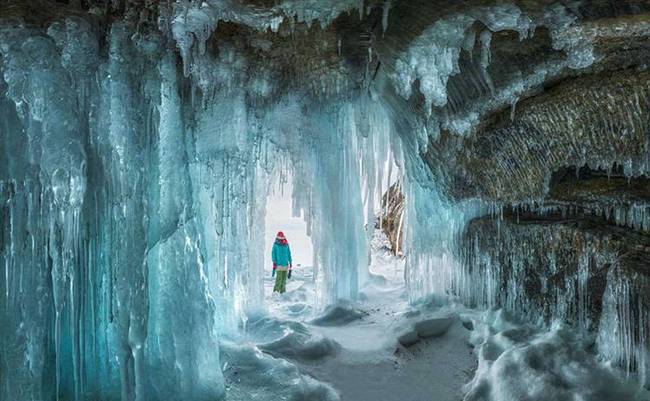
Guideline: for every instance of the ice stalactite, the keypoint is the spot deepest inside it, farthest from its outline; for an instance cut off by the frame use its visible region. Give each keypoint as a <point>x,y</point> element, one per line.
<point>103,264</point>
<point>432,222</point>
<point>632,214</point>
<point>348,161</point>
<point>181,309</point>
<point>26,300</point>
<point>433,58</point>
<point>503,278</point>
<point>624,330</point>
<point>225,181</point>
<point>563,271</point>
<point>126,178</point>
<point>200,20</point>
<point>433,225</point>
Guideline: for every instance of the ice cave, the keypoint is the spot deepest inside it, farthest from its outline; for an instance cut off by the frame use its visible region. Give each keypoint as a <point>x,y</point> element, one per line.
<point>464,185</point>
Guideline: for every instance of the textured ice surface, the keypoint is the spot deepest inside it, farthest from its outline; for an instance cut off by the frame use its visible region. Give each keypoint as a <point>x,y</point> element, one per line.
<point>624,330</point>
<point>141,208</point>
<point>519,363</point>
<point>433,57</point>
<point>250,374</point>
<point>498,267</point>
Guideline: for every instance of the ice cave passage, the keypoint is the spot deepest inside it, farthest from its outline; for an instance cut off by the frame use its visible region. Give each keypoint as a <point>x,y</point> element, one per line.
<point>465,185</point>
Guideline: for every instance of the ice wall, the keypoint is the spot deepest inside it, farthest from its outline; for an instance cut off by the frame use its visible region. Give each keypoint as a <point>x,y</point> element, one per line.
<point>133,199</point>
<point>433,98</point>
<point>103,271</point>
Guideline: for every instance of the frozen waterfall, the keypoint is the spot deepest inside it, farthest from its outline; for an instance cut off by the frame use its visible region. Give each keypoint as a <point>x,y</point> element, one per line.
<point>134,225</point>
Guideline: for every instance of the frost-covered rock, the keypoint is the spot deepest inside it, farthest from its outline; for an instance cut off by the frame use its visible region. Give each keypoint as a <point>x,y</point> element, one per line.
<point>578,270</point>
<point>391,220</point>
<point>433,327</point>
<point>338,314</point>
<point>409,338</point>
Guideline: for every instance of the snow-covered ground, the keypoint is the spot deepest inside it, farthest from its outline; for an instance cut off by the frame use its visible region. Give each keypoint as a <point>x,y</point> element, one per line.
<point>353,347</point>
<point>520,362</point>
<point>380,348</point>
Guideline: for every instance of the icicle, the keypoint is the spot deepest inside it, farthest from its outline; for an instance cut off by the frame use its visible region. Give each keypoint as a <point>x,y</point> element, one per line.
<point>486,42</point>
<point>384,18</point>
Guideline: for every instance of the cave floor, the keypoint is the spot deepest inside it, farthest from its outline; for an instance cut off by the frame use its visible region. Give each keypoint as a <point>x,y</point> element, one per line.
<point>353,351</point>
<point>370,365</point>
<point>435,368</point>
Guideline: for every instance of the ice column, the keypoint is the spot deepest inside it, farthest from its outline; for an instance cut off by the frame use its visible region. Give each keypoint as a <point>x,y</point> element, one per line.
<point>228,195</point>
<point>45,102</point>
<point>181,343</point>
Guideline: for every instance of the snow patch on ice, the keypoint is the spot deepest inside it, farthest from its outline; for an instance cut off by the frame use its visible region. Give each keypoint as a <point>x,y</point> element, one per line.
<point>289,339</point>
<point>518,362</point>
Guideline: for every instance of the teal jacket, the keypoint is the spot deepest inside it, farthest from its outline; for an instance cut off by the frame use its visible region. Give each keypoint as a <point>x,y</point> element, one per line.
<point>281,254</point>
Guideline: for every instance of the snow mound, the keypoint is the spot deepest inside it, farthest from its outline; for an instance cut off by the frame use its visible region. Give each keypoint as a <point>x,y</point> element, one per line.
<point>338,315</point>
<point>298,295</point>
<point>377,280</point>
<point>267,329</point>
<point>298,309</point>
<point>290,340</point>
<point>297,346</point>
<point>522,363</point>
<point>251,375</point>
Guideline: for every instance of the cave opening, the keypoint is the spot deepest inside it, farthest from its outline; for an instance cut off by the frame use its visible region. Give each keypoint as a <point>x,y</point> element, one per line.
<point>281,217</point>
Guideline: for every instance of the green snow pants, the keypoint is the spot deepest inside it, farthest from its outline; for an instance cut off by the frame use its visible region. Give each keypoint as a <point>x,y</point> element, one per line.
<point>280,281</point>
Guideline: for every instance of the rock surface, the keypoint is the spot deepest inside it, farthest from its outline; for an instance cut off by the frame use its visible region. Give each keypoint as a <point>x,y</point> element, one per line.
<point>582,270</point>
<point>434,327</point>
<point>409,338</point>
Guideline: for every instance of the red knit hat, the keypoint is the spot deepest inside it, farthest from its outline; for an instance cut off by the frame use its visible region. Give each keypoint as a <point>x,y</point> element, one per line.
<point>280,235</point>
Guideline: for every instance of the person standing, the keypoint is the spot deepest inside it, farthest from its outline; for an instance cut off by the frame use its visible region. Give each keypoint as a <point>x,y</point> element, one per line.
<point>281,255</point>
